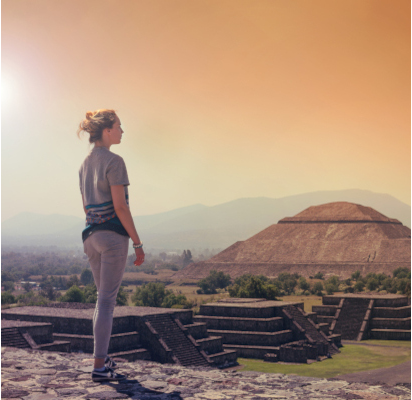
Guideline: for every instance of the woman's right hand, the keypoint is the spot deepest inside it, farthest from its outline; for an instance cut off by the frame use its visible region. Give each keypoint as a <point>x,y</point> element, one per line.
<point>139,257</point>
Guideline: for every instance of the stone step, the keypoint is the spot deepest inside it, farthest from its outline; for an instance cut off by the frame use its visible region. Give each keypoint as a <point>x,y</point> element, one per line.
<point>325,310</point>
<point>390,334</point>
<point>336,339</point>
<point>13,338</point>
<point>323,319</point>
<point>58,345</point>
<point>391,312</point>
<point>241,324</point>
<point>324,327</point>
<point>252,351</point>
<point>197,330</point>
<point>220,310</point>
<point>224,359</point>
<point>253,338</point>
<point>174,336</point>
<point>132,355</point>
<point>118,342</point>
<point>210,345</point>
<point>390,323</point>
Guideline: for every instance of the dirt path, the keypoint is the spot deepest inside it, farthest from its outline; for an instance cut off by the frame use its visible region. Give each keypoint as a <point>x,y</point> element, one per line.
<point>399,374</point>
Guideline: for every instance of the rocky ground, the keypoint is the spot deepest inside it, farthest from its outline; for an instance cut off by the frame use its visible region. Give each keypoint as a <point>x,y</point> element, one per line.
<point>37,375</point>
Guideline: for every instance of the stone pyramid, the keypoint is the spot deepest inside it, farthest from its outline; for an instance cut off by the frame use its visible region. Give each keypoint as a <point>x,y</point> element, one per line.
<point>335,238</point>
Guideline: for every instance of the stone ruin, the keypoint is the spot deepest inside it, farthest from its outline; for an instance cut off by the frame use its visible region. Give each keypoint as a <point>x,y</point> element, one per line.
<point>269,330</point>
<point>335,239</point>
<point>221,332</point>
<point>145,333</point>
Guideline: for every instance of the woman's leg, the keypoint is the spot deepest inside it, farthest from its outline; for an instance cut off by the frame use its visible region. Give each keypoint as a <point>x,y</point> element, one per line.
<point>108,275</point>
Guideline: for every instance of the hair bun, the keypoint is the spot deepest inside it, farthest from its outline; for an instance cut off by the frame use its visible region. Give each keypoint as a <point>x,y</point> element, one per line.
<point>89,114</point>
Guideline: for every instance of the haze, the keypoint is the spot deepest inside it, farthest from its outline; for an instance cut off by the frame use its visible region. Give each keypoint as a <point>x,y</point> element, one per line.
<point>218,99</point>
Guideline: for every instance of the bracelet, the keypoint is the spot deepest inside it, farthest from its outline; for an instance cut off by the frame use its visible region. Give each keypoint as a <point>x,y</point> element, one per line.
<point>138,246</point>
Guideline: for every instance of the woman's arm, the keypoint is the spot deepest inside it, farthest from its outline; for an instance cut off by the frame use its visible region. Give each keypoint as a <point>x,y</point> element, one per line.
<point>123,212</point>
<point>84,207</point>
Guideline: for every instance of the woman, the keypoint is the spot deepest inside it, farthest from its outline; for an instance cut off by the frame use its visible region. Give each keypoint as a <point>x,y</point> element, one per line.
<point>109,224</point>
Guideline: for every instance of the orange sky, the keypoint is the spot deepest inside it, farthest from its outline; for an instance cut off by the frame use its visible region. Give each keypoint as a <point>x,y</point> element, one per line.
<point>219,99</point>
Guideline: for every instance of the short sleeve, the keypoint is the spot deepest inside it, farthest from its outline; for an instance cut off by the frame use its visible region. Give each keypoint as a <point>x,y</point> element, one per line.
<point>116,172</point>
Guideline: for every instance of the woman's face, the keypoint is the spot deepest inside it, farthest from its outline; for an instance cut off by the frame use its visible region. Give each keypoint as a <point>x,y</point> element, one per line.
<point>116,132</point>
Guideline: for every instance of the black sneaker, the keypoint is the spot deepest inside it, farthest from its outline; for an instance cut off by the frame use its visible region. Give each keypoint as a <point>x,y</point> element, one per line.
<point>107,375</point>
<point>110,363</point>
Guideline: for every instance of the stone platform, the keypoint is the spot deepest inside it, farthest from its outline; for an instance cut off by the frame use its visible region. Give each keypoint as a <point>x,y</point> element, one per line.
<point>159,334</point>
<point>37,375</point>
<point>267,329</point>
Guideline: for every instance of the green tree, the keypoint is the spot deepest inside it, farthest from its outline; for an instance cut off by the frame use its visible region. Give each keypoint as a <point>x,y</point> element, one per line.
<point>27,286</point>
<point>86,277</point>
<point>74,295</point>
<point>303,283</point>
<point>32,299</point>
<point>90,293</point>
<point>7,276</point>
<point>75,269</point>
<point>372,283</point>
<point>8,285</point>
<point>250,286</point>
<point>355,276</point>
<point>319,275</point>
<point>330,289</point>
<point>215,280</point>
<point>400,273</point>
<point>122,296</point>
<point>359,286</point>
<point>317,288</point>
<point>73,281</point>
<point>7,298</point>
<point>151,294</point>
<point>332,282</point>
<point>186,258</point>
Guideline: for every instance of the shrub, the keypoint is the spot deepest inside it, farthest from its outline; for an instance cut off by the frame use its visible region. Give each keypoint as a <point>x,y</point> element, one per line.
<point>32,299</point>
<point>355,276</point>
<point>215,280</point>
<point>86,277</point>
<point>303,284</point>
<point>401,272</point>
<point>359,286</point>
<point>8,285</point>
<point>154,294</point>
<point>7,298</point>
<point>372,284</point>
<point>73,281</point>
<point>333,283</point>
<point>317,288</point>
<point>319,275</point>
<point>250,286</point>
<point>74,295</point>
<point>330,289</point>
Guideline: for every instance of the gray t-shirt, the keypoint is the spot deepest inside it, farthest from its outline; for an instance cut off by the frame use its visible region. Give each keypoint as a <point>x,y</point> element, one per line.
<point>100,170</point>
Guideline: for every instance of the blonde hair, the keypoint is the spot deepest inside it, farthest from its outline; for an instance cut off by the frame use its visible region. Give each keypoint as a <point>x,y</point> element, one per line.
<point>95,122</point>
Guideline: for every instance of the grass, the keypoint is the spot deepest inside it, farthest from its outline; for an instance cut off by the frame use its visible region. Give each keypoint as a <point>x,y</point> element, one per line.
<point>353,358</point>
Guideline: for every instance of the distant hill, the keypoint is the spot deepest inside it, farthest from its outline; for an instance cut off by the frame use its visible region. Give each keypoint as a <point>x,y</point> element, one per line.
<point>198,226</point>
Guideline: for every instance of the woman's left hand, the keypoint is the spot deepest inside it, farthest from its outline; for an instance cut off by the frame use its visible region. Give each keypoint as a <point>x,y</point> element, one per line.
<point>139,257</point>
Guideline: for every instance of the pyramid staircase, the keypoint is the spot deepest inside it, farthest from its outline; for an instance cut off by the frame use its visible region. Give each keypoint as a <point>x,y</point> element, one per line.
<point>360,317</point>
<point>305,327</point>
<point>27,335</point>
<point>12,337</point>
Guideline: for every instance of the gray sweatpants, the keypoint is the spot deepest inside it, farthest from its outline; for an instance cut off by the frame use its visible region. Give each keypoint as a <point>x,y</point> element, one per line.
<point>107,253</point>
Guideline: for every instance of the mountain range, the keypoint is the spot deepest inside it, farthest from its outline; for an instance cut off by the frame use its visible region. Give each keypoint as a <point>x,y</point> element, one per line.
<point>197,226</point>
